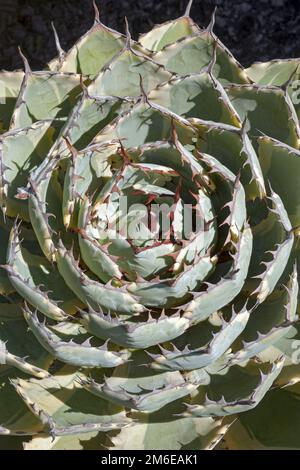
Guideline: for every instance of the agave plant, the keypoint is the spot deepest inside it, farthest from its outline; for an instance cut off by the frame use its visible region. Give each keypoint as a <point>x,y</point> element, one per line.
<point>149,339</point>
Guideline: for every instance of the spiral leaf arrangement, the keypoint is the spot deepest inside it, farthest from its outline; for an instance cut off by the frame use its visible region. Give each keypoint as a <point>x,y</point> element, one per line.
<point>120,335</point>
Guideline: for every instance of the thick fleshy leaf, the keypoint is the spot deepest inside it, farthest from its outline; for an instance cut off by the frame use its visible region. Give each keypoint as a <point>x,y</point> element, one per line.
<point>234,150</point>
<point>192,54</point>
<point>135,335</point>
<point>91,52</point>
<point>282,73</point>
<point>155,432</point>
<point>249,434</point>
<point>220,294</point>
<point>168,33</point>
<point>92,292</point>
<point>280,164</point>
<point>196,96</point>
<point>145,122</point>
<point>56,397</point>
<point>21,151</point>
<point>275,72</point>
<point>15,417</point>
<point>136,71</point>
<point>29,273</point>
<point>87,441</point>
<point>80,355</point>
<point>267,110</point>
<point>238,400</point>
<point>189,358</point>
<point>58,93</point>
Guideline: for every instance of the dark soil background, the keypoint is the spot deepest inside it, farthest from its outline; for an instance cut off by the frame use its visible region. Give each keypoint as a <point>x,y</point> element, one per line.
<point>253,30</point>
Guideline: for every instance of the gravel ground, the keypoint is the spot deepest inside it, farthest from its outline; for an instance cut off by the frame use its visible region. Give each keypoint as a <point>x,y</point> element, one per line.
<point>253,30</point>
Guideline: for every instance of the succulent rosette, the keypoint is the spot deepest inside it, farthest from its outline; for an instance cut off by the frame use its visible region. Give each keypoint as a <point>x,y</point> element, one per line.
<point>149,253</point>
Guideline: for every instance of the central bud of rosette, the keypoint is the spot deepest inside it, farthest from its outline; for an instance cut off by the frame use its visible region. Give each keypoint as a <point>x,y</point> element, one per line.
<point>149,226</point>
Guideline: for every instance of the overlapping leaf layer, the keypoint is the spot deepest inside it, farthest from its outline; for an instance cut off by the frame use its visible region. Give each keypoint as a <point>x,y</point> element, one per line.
<point>139,341</point>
